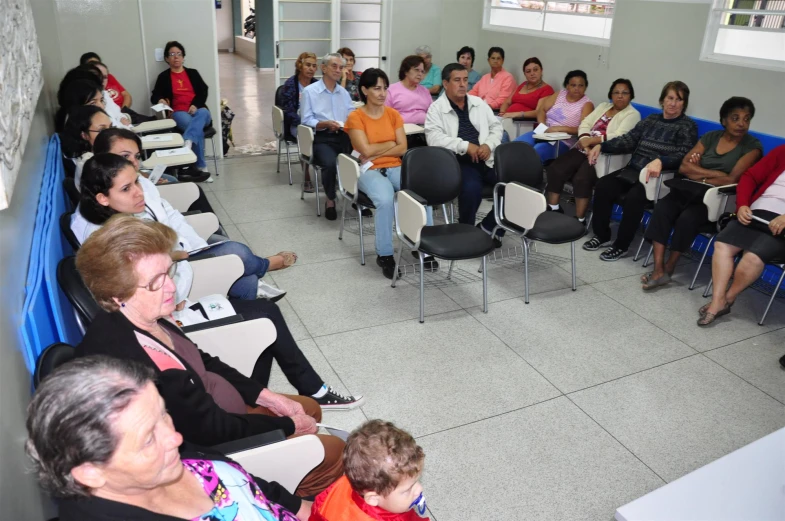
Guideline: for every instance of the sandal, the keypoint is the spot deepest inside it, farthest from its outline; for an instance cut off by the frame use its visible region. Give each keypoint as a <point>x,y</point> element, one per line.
<point>656,283</point>
<point>709,317</point>
<point>289,258</point>
<point>704,308</point>
<point>645,277</point>
<point>308,187</point>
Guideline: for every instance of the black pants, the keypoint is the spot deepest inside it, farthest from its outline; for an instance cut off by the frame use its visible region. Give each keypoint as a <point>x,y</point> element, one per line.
<point>284,350</point>
<point>679,212</point>
<point>201,204</point>
<point>326,147</point>
<point>572,165</point>
<point>474,176</point>
<point>608,190</point>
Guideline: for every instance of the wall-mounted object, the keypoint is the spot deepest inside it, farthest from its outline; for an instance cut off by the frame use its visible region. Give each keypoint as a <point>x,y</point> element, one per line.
<point>159,54</point>
<point>20,86</point>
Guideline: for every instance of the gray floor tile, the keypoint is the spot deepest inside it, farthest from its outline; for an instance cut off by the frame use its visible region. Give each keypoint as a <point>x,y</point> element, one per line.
<point>757,361</point>
<point>579,339</point>
<point>675,309</point>
<point>346,420</point>
<point>251,174</point>
<point>342,295</point>
<point>683,415</point>
<point>434,376</point>
<point>233,232</point>
<point>546,462</point>
<point>314,240</point>
<point>264,204</point>
<point>218,208</point>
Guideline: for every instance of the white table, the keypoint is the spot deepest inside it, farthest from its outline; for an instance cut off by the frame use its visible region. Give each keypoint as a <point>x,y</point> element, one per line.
<point>155,159</point>
<point>411,128</point>
<point>154,126</point>
<point>558,139</point>
<point>159,141</point>
<point>745,485</point>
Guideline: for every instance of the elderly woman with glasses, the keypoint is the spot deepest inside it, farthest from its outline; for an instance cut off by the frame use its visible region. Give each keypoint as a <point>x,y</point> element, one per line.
<point>433,73</point>
<point>104,444</point>
<point>408,96</point>
<point>184,90</point>
<point>127,266</point>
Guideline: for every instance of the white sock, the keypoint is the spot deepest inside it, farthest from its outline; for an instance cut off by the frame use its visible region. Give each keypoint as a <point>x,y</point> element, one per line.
<point>581,219</point>
<point>321,392</point>
<point>554,206</point>
<point>203,169</point>
<point>187,143</point>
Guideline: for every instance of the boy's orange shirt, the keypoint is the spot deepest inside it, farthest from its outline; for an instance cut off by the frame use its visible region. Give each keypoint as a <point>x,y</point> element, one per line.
<point>341,503</point>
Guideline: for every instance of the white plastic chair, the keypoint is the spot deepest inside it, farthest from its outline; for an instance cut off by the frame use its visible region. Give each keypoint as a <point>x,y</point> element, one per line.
<point>280,133</point>
<point>180,195</point>
<point>348,178</point>
<point>305,140</point>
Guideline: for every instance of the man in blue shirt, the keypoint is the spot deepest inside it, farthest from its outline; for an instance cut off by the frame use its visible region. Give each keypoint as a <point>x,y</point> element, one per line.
<point>325,107</point>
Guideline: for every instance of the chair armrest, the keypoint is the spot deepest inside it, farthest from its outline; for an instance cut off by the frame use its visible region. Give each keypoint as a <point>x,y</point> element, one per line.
<point>237,345</point>
<point>655,187</point>
<point>192,212</point>
<point>180,195</point>
<point>416,197</point>
<point>215,275</point>
<point>609,163</point>
<point>286,462</point>
<point>212,323</point>
<point>251,442</point>
<point>205,224</point>
<point>410,217</point>
<point>716,200</point>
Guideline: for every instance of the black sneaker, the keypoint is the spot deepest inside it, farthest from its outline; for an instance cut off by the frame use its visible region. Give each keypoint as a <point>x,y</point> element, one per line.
<point>335,401</point>
<point>192,175</point>
<point>387,263</point>
<point>613,254</point>
<point>497,243</point>
<point>429,262</point>
<point>595,244</point>
<point>330,213</point>
<point>366,212</point>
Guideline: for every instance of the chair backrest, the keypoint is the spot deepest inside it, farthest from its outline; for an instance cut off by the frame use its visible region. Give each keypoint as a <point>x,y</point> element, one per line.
<point>68,233</point>
<point>410,216</point>
<point>69,185</point>
<point>432,173</point>
<point>180,195</point>
<point>518,162</point>
<point>277,121</point>
<point>348,173</point>
<point>51,358</point>
<point>522,205</point>
<point>279,96</point>
<point>305,137</point>
<point>77,293</point>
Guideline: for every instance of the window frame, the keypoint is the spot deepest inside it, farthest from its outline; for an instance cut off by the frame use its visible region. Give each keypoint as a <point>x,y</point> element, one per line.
<point>591,40</point>
<point>713,25</point>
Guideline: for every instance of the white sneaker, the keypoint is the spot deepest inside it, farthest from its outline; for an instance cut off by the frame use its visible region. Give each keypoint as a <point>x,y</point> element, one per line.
<point>268,292</point>
<point>188,143</point>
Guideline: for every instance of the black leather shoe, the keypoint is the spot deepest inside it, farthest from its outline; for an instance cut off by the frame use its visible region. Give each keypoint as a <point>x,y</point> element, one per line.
<point>366,212</point>
<point>387,263</point>
<point>330,213</point>
<point>192,175</point>
<point>429,262</point>
<point>782,362</point>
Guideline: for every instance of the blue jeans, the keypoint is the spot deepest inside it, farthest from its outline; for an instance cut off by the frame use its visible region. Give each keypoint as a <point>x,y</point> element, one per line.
<point>381,190</point>
<point>474,176</point>
<point>255,268</point>
<point>193,129</point>
<point>544,149</point>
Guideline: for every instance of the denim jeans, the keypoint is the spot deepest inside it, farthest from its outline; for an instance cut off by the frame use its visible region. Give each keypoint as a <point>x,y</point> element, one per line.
<point>381,190</point>
<point>255,268</point>
<point>544,149</point>
<point>193,129</point>
<point>474,176</point>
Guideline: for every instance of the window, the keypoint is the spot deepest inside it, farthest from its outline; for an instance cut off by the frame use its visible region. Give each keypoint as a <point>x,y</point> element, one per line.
<point>750,33</point>
<point>587,21</point>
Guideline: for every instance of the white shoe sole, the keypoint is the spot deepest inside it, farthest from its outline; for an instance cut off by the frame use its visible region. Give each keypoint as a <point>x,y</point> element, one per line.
<point>617,258</point>
<point>345,407</point>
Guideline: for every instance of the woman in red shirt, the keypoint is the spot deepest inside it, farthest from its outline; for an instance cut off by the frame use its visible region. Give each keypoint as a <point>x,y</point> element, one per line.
<point>524,101</point>
<point>184,90</point>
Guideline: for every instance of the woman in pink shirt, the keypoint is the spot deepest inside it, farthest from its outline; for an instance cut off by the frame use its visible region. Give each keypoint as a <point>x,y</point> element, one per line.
<point>410,98</point>
<point>495,87</point>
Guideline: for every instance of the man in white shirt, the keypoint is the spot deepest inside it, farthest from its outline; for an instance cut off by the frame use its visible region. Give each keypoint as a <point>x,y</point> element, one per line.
<point>467,126</point>
<point>325,106</point>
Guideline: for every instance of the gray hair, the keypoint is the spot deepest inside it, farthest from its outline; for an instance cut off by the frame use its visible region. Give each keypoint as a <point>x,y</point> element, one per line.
<point>423,49</point>
<point>69,420</point>
<point>333,55</point>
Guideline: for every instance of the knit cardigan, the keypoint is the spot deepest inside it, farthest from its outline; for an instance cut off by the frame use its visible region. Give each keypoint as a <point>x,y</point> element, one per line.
<point>655,137</point>
<point>760,176</point>
<point>620,124</point>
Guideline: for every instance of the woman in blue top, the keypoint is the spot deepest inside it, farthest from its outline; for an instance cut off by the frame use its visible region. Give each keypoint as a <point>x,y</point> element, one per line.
<point>293,88</point>
<point>466,58</point>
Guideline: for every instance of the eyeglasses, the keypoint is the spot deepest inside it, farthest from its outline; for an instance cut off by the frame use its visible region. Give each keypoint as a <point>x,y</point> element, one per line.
<point>175,55</point>
<point>418,71</point>
<point>159,280</point>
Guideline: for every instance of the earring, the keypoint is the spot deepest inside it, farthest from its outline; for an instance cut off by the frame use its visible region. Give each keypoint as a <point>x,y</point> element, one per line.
<point>122,305</point>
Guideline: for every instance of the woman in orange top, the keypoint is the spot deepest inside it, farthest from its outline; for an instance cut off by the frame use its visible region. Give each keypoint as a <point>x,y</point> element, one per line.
<point>377,134</point>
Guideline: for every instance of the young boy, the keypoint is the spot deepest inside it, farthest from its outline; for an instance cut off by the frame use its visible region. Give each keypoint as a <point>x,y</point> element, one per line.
<point>382,466</point>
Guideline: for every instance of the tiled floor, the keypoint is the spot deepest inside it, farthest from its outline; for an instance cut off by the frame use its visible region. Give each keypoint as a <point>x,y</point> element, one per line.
<point>562,409</point>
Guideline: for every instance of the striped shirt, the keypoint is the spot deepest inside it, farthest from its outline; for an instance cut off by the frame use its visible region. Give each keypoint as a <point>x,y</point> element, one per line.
<point>655,137</point>
<point>566,113</point>
<point>466,130</point>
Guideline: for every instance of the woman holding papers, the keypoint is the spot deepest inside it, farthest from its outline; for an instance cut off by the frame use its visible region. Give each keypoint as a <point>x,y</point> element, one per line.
<point>111,185</point>
<point>607,121</point>
<point>561,113</point>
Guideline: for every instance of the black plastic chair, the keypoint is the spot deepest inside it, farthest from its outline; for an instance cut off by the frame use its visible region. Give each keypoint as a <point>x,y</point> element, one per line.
<point>85,306</point>
<point>69,185</point>
<point>282,132</point>
<point>65,229</point>
<point>50,359</point>
<point>426,171</point>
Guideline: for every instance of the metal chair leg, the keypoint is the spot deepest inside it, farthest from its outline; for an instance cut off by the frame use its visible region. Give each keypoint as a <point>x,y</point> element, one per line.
<point>422,287</point>
<point>525,269</point>
<point>700,263</point>
<point>449,271</point>
<point>315,183</point>
<point>572,258</point>
<point>343,219</point>
<point>444,211</point>
<point>278,164</point>
<point>484,285</point>
<point>648,256</point>
<point>638,253</point>
<point>773,295</point>
<point>708,288</point>
<point>362,242</point>
<point>289,163</point>
<point>215,157</point>
<point>397,263</point>
<point>302,187</point>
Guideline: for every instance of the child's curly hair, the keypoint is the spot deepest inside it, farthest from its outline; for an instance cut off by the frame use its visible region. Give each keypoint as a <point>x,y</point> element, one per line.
<point>379,455</point>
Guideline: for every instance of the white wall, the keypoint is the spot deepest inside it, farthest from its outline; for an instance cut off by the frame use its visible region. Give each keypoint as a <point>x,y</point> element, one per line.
<point>223,23</point>
<point>640,50</point>
<point>22,498</point>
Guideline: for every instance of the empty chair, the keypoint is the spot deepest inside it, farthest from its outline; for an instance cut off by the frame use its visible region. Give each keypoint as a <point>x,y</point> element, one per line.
<point>348,176</point>
<point>305,139</point>
<point>454,241</point>
<point>284,139</point>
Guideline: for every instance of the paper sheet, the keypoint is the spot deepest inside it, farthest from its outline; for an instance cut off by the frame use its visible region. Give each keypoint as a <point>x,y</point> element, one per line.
<point>155,175</point>
<point>216,306</point>
<point>205,248</point>
<point>365,166</point>
<point>161,107</point>
<point>183,151</point>
<point>156,138</point>
<point>541,128</point>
